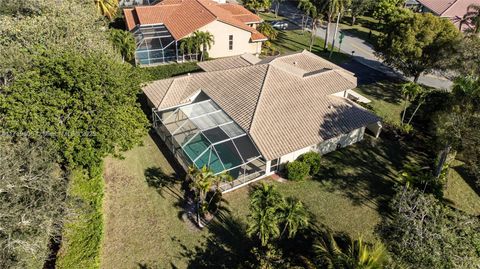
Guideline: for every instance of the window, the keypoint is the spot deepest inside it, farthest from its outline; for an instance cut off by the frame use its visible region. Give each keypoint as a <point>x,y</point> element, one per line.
<point>230,42</point>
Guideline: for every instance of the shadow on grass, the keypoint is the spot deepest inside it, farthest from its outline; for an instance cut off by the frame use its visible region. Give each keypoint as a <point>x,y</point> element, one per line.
<point>387,91</point>
<point>226,245</point>
<point>467,177</point>
<point>157,179</point>
<point>367,172</point>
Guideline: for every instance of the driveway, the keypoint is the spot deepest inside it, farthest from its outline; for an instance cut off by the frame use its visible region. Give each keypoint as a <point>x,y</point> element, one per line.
<point>361,50</point>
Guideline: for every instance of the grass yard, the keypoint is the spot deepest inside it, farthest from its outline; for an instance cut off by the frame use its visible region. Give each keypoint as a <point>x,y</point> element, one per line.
<point>459,192</point>
<point>361,29</point>
<point>297,40</point>
<point>387,100</point>
<point>141,211</point>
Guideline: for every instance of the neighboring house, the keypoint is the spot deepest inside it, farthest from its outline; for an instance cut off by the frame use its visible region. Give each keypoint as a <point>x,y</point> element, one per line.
<point>159,28</point>
<point>249,116</point>
<point>454,10</point>
<point>131,3</point>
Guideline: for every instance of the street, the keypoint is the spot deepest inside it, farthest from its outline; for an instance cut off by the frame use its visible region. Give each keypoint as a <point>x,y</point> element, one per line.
<point>361,50</point>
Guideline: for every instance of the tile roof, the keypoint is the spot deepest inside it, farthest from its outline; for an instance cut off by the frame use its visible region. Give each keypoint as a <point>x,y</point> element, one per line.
<point>183,17</point>
<point>284,105</point>
<point>448,8</point>
<point>229,62</point>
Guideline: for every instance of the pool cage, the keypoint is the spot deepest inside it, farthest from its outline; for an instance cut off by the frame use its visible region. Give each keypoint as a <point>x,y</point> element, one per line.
<point>155,45</point>
<point>203,135</point>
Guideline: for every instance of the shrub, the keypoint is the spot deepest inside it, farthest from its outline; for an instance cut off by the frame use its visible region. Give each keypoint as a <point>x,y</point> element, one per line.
<point>297,170</point>
<point>313,159</point>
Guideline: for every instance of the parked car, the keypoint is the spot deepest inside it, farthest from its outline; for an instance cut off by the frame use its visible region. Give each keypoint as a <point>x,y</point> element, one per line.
<point>282,25</point>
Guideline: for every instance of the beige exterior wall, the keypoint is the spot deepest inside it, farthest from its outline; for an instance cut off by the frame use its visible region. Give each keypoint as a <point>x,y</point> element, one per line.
<point>241,40</point>
<point>327,145</point>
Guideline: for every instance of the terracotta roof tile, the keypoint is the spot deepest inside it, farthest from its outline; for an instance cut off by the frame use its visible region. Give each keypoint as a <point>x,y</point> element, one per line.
<point>183,17</point>
<point>448,8</point>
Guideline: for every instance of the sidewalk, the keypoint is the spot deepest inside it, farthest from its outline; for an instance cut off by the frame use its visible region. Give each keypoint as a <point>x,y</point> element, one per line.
<point>361,50</point>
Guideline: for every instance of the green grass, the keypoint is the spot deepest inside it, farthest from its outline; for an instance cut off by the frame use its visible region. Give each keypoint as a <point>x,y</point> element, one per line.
<point>83,230</point>
<point>387,101</point>
<point>298,40</point>
<point>459,192</point>
<point>270,17</point>
<point>361,29</point>
<point>141,205</point>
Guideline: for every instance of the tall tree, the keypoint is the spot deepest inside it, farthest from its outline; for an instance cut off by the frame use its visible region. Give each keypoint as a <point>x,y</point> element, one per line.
<point>358,8</point>
<point>277,6</point>
<point>312,9</point>
<point>459,125</point>
<point>108,8</point>
<point>417,43</point>
<point>384,10</point>
<point>257,5</point>
<point>294,217</point>
<point>332,9</point>
<point>472,17</point>
<point>410,92</point>
<point>86,104</point>
<point>124,43</point>
<point>204,41</point>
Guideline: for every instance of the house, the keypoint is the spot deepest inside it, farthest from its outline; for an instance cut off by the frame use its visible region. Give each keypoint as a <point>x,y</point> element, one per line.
<point>250,117</point>
<point>130,3</point>
<point>454,10</point>
<point>159,29</point>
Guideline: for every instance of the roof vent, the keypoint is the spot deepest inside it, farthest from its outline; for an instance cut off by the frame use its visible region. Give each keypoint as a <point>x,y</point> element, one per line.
<point>188,74</point>
<point>295,63</point>
<point>330,106</point>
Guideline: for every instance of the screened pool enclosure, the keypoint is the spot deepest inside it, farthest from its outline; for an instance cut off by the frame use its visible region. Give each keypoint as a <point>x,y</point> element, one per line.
<point>155,45</point>
<point>201,134</point>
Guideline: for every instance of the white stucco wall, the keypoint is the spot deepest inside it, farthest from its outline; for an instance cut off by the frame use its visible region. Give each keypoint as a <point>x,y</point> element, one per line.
<point>241,40</point>
<point>328,145</point>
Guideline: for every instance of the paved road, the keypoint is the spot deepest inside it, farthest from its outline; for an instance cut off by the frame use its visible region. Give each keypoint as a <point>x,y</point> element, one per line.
<point>363,52</point>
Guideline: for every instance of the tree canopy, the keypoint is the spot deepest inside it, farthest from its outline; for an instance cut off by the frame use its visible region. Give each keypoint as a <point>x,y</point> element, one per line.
<point>417,43</point>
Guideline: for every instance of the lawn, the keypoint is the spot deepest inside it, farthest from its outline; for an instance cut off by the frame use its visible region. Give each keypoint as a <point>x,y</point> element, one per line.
<point>297,40</point>
<point>362,28</point>
<point>143,224</point>
<point>459,192</point>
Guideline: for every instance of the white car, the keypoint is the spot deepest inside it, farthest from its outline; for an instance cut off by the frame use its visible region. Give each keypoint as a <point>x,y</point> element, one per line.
<point>282,25</point>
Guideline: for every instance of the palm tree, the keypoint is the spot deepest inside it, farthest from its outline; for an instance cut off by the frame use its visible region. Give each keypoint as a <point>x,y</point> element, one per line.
<point>327,251</point>
<point>312,8</point>
<point>256,5</point>
<point>294,217</point>
<point>358,255</point>
<point>124,43</point>
<point>204,41</point>
<point>188,45</point>
<point>263,223</point>
<point>277,6</point>
<point>267,30</point>
<point>410,92</point>
<point>473,17</point>
<point>202,181</point>
<point>265,203</point>
<point>107,8</point>
<point>332,8</point>
<point>365,256</point>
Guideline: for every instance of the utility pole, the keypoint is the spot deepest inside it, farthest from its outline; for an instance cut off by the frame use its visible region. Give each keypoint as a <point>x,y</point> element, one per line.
<point>335,35</point>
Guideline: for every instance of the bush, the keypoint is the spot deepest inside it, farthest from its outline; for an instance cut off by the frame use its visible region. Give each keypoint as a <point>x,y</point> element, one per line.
<point>313,159</point>
<point>297,170</point>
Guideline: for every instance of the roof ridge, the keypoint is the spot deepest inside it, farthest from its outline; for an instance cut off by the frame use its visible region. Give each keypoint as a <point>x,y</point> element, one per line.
<point>168,89</point>
<point>205,7</point>
<point>259,97</point>
<point>456,1</point>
